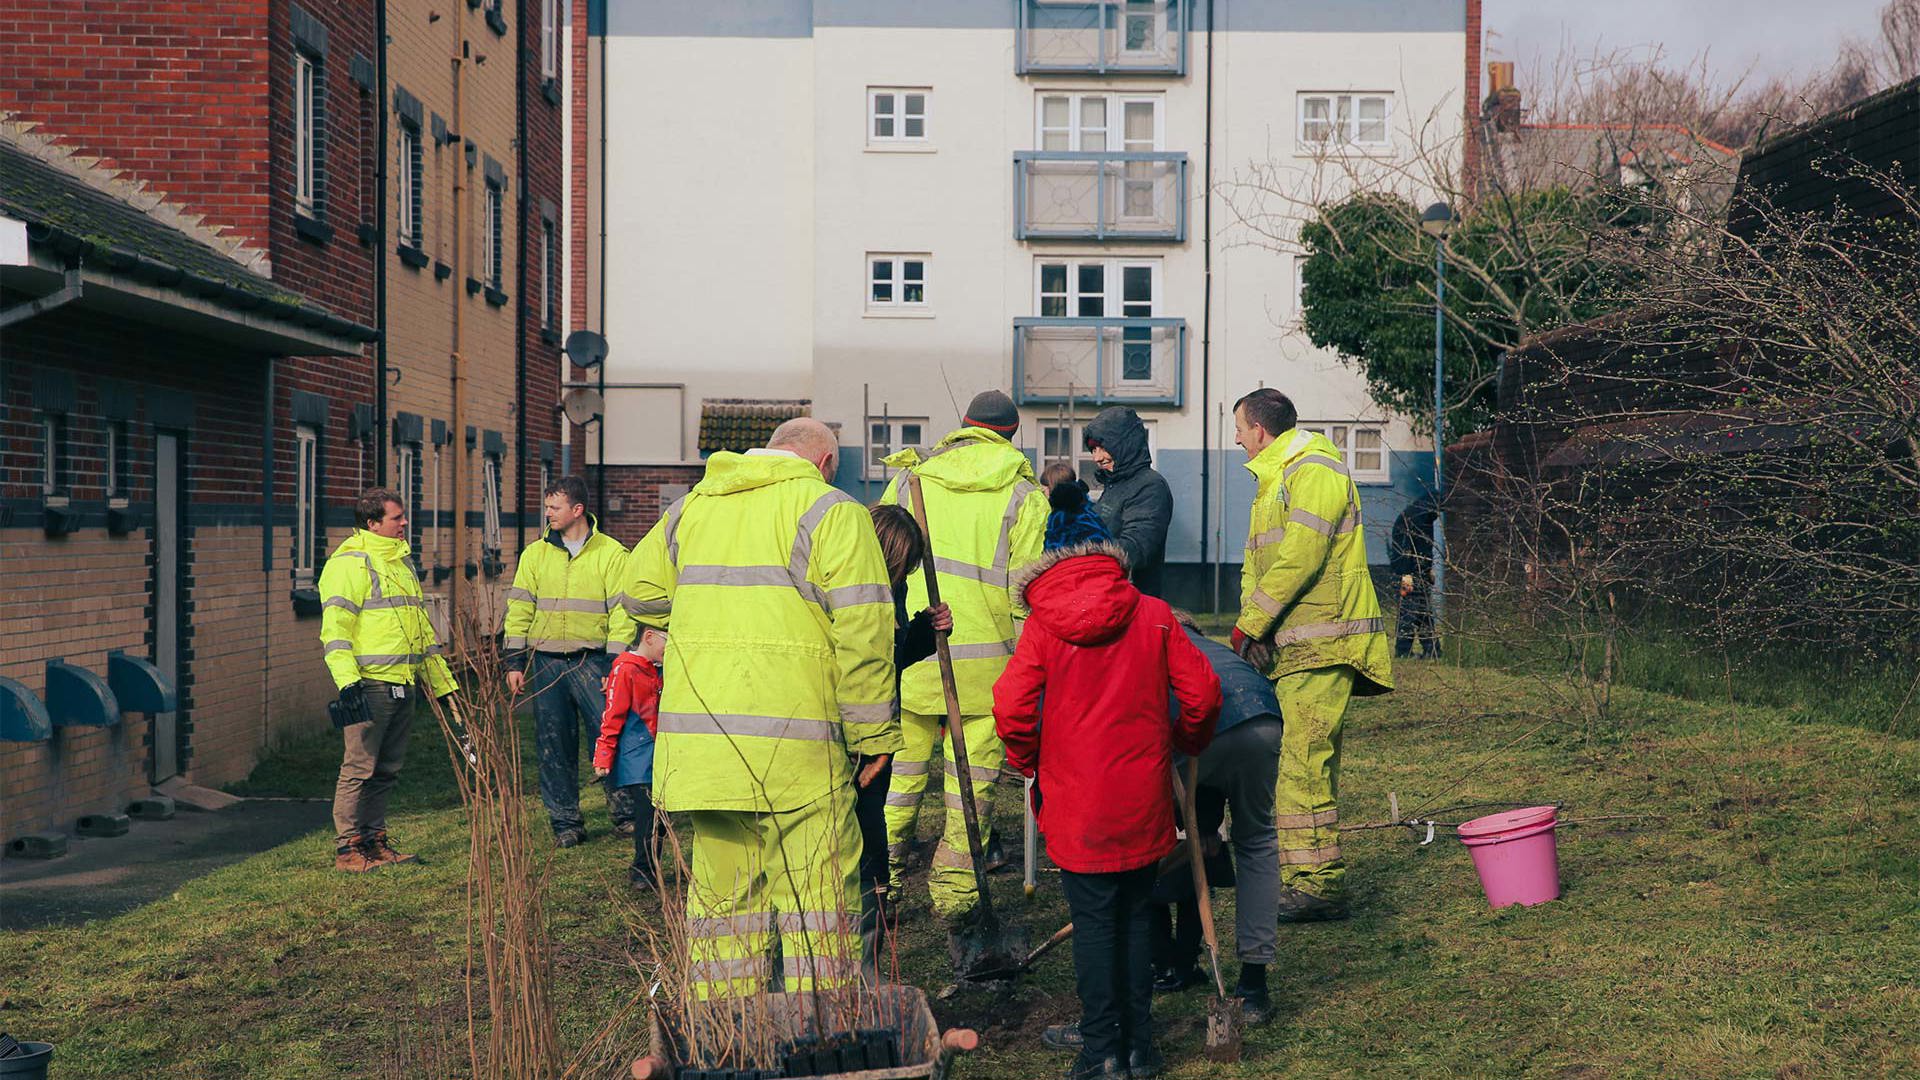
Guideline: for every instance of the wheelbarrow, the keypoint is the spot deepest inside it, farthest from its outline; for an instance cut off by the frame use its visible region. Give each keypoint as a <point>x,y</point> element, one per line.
<point>894,1024</point>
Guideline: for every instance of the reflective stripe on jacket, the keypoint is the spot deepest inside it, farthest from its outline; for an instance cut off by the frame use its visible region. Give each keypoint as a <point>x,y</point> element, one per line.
<point>562,603</point>
<point>373,619</point>
<point>780,655</point>
<point>1304,580</point>
<point>987,516</point>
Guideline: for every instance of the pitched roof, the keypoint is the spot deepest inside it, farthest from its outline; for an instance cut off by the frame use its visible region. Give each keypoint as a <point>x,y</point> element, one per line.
<point>85,219</point>
<point>740,424</point>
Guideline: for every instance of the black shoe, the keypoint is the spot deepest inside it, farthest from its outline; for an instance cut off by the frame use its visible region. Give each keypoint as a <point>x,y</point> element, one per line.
<point>566,838</point>
<point>1304,907</point>
<point>996,856</point>
<point>623,828</point>
<point>1256,1007</point>
<point>1174,980</point>
<point>1063,1036</point>
<point>1085,1068</point>
<point>641,879</point>
<point>1145,1063</point>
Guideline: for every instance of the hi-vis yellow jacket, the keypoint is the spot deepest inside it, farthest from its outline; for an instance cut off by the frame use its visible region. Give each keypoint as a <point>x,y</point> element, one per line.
<point>562,603</point>
<point>780,650</point>
<point>988,517</point>
<point>1305,577</point>
<point>373,621</point>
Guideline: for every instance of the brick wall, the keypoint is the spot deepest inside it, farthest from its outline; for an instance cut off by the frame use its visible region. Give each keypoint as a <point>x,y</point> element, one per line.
<point>541,161</point>
<point>636,491</point>
<point>1470,163</point>
<point>178,98</point>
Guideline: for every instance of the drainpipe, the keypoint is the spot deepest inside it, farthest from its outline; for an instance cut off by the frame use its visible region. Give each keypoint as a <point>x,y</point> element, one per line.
<point>1206,326</point>
<point>380,244</point>
<point>600,426</point>
<point>520,276</point>
<point>458,363</point>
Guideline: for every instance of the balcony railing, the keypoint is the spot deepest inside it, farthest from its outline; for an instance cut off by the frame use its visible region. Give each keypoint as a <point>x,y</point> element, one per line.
<point>1131,37</point>
<point>1095,195</point>
<point>1100,361</point>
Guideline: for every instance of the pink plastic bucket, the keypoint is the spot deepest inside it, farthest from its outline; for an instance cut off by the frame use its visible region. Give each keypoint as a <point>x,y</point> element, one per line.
<point>1515,855</point>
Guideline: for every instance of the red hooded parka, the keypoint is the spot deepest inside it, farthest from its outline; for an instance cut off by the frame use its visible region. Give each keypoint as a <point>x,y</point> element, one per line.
<point>1102,656</point>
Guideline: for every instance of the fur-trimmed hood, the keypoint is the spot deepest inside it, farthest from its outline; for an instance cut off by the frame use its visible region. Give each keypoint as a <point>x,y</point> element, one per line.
<point>1079,593</point>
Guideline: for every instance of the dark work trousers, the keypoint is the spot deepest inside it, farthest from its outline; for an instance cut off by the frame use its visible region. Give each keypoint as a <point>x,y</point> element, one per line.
<point>649,830</point>
<point>869,808</point>
<point>1113,959</point>
<point>566,697</point>
<point>1416,624</point>
<point>1176,942</point>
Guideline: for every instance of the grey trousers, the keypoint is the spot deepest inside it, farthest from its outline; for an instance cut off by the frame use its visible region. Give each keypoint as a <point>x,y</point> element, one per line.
<point>1244,763</point>
<point>371,765</point>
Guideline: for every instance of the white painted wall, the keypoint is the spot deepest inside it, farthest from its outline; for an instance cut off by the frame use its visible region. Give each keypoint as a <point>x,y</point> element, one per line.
<point>710,228</point>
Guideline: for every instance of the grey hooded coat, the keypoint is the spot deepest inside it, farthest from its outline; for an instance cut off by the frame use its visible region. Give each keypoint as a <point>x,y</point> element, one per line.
<point>1136,505</point>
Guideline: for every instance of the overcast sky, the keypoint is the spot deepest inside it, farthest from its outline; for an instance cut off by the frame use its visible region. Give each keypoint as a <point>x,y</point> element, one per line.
<point>1767,36</point>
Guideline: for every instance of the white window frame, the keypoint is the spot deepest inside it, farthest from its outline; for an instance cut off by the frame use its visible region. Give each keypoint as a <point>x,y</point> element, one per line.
<point>116,466</point>
<point>411,163</point>
<point>492,238</point>
<point>897,116</point>
<point>306,500</point>
<point>1113,303</point>
<point>406,460</point>
<point>1156,11</point>
<point>1343,133</point>
<point>306,134</point>
<point>896,305</point>
<point>53,449</point>
<point>1078,456</point>
<point>1112,135</point>
<point>1343,434</point>
<point>549,38</point>
<point>490,468</point>
<point>896,439</point>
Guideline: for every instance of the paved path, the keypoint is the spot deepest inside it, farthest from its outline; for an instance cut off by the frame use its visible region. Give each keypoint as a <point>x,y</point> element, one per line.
<point>100,878</point>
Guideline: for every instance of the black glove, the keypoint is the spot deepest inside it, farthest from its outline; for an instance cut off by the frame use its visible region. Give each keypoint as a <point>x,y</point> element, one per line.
<point>350,708</point>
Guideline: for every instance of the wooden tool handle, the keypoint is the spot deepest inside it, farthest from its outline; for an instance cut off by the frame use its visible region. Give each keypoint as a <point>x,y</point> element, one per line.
<point>963,774</point>
<point>1197,856</point>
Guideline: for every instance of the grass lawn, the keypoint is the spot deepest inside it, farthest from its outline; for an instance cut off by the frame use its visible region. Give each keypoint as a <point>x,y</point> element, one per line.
<point>1765,924</point>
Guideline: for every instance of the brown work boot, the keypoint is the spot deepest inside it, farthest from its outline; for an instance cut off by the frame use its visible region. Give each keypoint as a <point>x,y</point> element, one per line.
<point>377,846</point>
<point>355,859</point>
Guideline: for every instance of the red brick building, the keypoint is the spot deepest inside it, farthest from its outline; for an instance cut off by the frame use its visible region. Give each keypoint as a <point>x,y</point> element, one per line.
<point>196,217</point>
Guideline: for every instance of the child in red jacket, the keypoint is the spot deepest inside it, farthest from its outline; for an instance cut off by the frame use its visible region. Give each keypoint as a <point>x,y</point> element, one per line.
<point>1103,656</point>
<point>625,746</point>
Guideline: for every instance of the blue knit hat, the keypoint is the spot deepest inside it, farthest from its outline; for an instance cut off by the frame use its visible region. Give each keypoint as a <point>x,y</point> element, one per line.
<point>1073,521</point>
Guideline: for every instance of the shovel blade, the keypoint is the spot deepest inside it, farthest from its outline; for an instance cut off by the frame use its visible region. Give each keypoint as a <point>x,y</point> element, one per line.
<point>988,952</point>
<point>1223,1029</point>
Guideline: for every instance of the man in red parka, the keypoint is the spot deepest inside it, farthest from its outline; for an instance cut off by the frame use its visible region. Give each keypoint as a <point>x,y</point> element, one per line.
<point>1103,656</point>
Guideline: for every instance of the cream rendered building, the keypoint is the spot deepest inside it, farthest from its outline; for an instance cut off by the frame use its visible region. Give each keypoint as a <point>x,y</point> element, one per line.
<point>885,207</point>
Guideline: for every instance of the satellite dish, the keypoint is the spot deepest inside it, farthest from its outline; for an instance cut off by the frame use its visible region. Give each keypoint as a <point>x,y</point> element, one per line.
<point>583,405</point>
<point>586,348</point>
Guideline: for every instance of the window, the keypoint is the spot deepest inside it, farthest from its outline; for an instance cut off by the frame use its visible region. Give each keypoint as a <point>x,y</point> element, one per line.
<point>1111,289</point>
<point>1086,122</point>
<point>1345,120</point>
<point>490,236</point>
<point>546,476</point>
<point>1362,446</point>
<point>549,38</point>
<point>549,277</point>
<point>490,503</point>
<point>897,115</point>
<point>409,476</point>
<point>306,132</point>
<point>1145,23</point>
<point>897,284</point>
<point>53,454</point>
<point>411,233</point>
<point>1064,441</point>
<point>891,434</point>
<point>306,501</point>
<point>117,459</point>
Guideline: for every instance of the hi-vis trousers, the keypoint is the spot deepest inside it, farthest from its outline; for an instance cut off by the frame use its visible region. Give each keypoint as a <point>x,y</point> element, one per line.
<point>791,872</point>
<point>951,879</point>
<point>1313,705</point>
